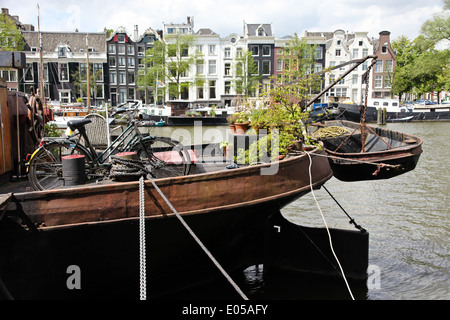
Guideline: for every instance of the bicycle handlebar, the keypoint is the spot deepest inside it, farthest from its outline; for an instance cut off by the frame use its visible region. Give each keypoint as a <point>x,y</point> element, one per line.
<point>122,109</point>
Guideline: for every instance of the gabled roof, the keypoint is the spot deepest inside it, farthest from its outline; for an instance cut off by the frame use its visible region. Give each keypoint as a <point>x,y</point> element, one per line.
<point>74,40</point>
<point>252,29</point>
<point>206,32</point>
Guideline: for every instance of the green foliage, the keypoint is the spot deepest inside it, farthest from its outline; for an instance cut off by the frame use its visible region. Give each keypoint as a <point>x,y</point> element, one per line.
<point>420,66</point>
<point>246,75</point>
<point>51,130</point>
<point>168,61</point>
<point>79,78</point>
<point>10,36</point>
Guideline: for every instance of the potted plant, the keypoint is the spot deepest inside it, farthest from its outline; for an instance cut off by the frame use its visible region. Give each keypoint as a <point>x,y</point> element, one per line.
<point>224,146</point>
<point>242,122</point>
<point>231,120</point>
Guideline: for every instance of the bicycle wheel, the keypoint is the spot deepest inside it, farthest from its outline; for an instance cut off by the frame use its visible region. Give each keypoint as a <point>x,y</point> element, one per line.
<point>45,167</point>
<point>167,157</point>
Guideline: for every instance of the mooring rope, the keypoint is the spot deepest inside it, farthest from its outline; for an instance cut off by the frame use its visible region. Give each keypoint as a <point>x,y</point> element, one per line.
<point>236,287</point>
<point>140,165</point>
<point>326,226</point>
<point>352,221</point>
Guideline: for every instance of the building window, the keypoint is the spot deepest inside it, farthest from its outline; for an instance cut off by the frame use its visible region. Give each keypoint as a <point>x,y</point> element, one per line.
<point>121,49</point>
<point>130,77</point>
<point>338,52</point>
<point>131,93</point>
<point>227,87</point>
<point>122,77</point>
<point>227,69</point>
<point>131,62</point>
<point>170,30</point>
<point>355,54</point>
<point>200,93</point>
<point>212,49</point>
<point>266,67</point>
<point>387,81</point>
<point>317,67</point>
<point>318,53</point>
<point>266,50</point>
<point>99,91</point>
<point>98,72</point>
<point>355,79</point>
<point>62,52</point>
<point>379,66</point>
<point>122,95</point>
<point>112,48</point>
<point>212,67</point>
<point>9,75</point>
<point>261,32</point>
<point>239,52</point>
<point>130,50</point>
<point>200,48</point>
<point>212,89</point>
<point>113,77</point>
<point>63,72</point>
<point>112,61</point>
<point>255,51</point>
<point>121,62</point>
<point>365,52</point>
<point>384,49</point>
<point>64,96</point>
<point>364,66</point>
<point>29,73</point>
<point>360,43</point>
<point>378,81</point>
<point>228,53</point>
<point>280,65</point>
<point>200,67</point>
<point>388,65</point>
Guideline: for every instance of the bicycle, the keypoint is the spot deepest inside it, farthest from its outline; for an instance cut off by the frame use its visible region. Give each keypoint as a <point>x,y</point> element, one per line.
<point>162,156</point>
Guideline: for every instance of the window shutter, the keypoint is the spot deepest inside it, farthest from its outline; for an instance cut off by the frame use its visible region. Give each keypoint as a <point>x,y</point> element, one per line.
<point>116,38</point>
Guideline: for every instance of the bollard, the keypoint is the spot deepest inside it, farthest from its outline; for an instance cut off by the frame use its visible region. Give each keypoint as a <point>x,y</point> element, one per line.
<point>73,170</point>
<point>381,116</point>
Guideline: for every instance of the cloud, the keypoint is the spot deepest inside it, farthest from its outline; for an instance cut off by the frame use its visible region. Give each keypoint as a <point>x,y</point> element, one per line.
<point>401,17</point>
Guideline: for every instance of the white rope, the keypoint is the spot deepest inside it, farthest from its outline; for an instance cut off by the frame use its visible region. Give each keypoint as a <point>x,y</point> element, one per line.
<point>142,258</point>
<point>326,226</point>
<point>199,242</point>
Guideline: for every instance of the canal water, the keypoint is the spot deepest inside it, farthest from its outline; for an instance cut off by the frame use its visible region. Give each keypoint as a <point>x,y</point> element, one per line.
<point>407,217</point>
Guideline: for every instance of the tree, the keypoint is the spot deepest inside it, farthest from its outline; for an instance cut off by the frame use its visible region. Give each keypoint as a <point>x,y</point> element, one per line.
<point>437,29</point>
<point>247,76</point>
<point>80,80</point>
<point>420,66</point>
<point>153,69</point>
<point>170,61</point>
<point>299,59</point>
<point>10,36</point>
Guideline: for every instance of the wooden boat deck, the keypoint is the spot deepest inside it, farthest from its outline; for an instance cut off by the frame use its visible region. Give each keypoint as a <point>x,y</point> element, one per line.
<point>203,165</point>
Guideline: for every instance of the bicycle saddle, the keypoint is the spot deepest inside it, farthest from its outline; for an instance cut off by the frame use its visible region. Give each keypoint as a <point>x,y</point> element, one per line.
<point>75,124</point>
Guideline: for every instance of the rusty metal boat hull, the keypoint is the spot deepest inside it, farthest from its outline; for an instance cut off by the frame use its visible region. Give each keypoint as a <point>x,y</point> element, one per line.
<point>97,229</point>
<point>387,153</point>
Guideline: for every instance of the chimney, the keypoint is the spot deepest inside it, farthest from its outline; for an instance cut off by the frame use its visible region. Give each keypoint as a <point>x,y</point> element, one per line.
<point>136,32</point>
<point>5,11</point>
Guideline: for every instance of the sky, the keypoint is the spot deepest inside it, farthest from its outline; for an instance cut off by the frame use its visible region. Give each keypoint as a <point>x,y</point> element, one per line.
<point>400,17</point>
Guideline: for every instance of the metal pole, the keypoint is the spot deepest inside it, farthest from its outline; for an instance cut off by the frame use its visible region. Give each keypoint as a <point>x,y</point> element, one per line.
<point>88,76</point>
<point>357,63</point>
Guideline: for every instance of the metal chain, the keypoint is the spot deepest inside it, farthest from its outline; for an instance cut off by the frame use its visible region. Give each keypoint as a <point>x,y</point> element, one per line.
<point>143,264</point>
